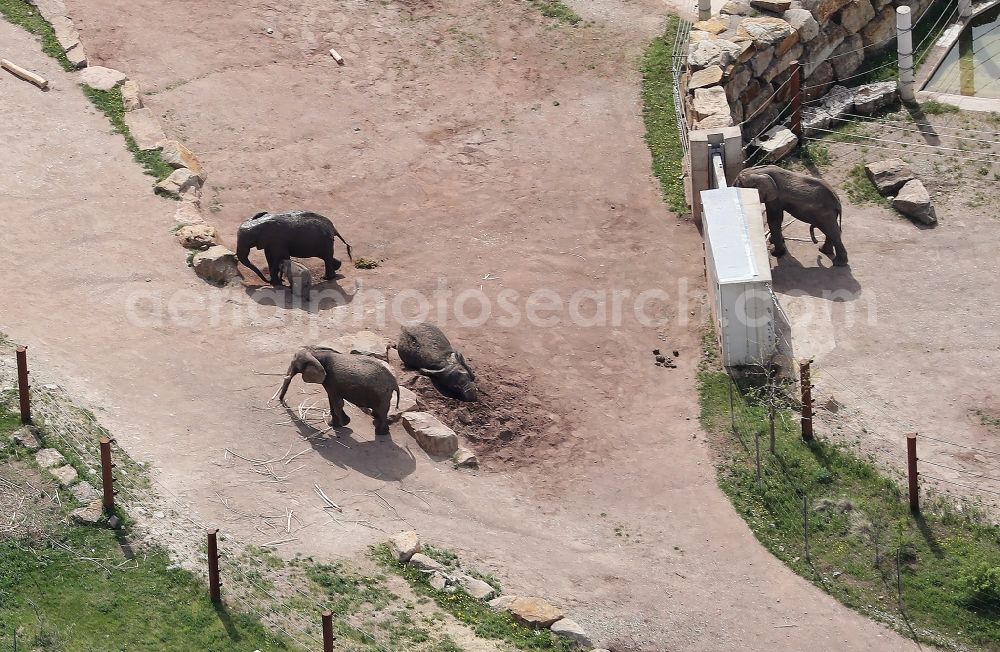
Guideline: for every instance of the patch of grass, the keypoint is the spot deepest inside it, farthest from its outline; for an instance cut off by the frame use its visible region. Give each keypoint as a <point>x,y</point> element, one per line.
<point>556,9</point>
<point>22,14</point>
<point>345,591</point>
<point>662,134</point>
<point>365,263</point>
<point>861,190</point>
<point>933,107</point>
<point>815,153</point>
<point>859,525</point>
<point>479,616</point>
<point>110,102</point>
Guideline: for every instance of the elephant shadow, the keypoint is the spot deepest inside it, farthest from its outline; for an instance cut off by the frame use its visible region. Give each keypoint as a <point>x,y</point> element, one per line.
<point>824,281</point>
<point>325,295</point>
<point>380,459</point>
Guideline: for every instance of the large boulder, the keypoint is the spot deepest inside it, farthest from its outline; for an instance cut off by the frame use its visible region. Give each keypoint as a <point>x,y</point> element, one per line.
<point>407,402</point>
<point>766,31</point>
<point>778,142</point>
<point>476,587</point>
<point>364,343</point>
<point>737,82</point>
<point>881,29</point>
<point>187,213</point>
<point>216,265</point>
<point>820,48</point>
<point>819,82</point>
<point>48,458</point>
<point>65,475</point>
<point>26,437</point>
<point>889,175</point>
<point>145,130</point>
<point>179,181</point>
<point>761,60</point>
<point>101,78</point>
<point>822,10</point>
<point>179,156</point>
<point>709,101</point>
<point>738,8</point>
<point>88,515</point>
<point>802,22</point>
<point>534,612</point>
<point>871,97</point>
<point>424,563</point>
<point>196,236</point>
<point>567,628</point>
<point>717,52</point>
<point>848,57</point>
<point>432,435</point>
<point>705,77</point>
<point>404,545</point>
<point>782,64</point>
<point>914,201</point>
<point>856,15</point>
<point>715,121</point>
<point>775,6</point>
<point>84,492</point>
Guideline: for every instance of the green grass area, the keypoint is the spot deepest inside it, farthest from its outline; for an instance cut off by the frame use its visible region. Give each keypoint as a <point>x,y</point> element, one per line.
<point>860,529</point>
<point>933,107</point>
<point>19,12</point>
<point>556,9</point>
<point>484,621</point>
<point>110,102</point>
<point>861,190</point>
<point>662,134</point>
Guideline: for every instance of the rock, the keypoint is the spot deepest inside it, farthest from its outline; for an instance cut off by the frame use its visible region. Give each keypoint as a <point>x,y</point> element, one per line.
<point>464,458</point>
<point>709,76</point>
<point>871,97</point>
<point>837,102</point>
<point>50,9</point>
<point>77,57</point>
<point>404,545</point>
<point>49,457</point>
<point>889,175</point>
<point>534,612</point>
<point>766,30</point>
<point>216,265</point>
<point>422,562</point>
<point>84,492</point>
<point>475,587</point>
<point>856,15</point>
<point>27,438</point>
<point>65,33</point>
<point>187,213</point>
<point>432,435</point>
<point>914,201</point>
<point>437,581</point>
<point>782,65</point>
<point>179,181</point>
<point>407,402</point>
<point>64,475</point>
<point>777,6</point>
<point>737,8</point>
<point>778,142</point>
<point>821,47</point>
<point>737,82</point>
<point>101,78</point>
<point>819,82</point>
<point>848,57</point>
<point>364,343</point>
<point>144,128</point>
<point>503,602</point>
<point>569,629</point>
<point>717,52</point>
<point>823,9</point>
<point>196,236</point>
<point>179,156</point>
<point>717,121</point>
<point>758,94</point>
<point>761,60</point>
<point>880,30</point>
<point>709,101</point>
<point>713,26</point>
<point>833,405</point>
<point>131,99</point>
<point>802,22</point>
<point>89,515</point>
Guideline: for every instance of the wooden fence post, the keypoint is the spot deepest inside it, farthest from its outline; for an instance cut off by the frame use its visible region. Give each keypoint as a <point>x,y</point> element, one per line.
<point>214,585</point>
<point>107,479</point>
<point>22,384</point>
<point>911,472</point>
<point>807,404</point>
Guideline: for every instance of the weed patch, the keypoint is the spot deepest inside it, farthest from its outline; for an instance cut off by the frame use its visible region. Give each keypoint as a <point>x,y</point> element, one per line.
<point>933,107</point>
<point>22,14</point>
<point>556,9</point>
<point>110,103</point>
<point>861,190</point>
<point>662,133</point>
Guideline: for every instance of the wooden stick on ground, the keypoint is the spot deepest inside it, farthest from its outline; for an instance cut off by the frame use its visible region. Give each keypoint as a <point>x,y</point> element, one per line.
<point>336,57</point>
<point>24,74</point>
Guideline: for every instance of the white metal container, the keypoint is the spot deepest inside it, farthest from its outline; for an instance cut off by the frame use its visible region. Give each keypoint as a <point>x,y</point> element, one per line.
<point>739,276</point>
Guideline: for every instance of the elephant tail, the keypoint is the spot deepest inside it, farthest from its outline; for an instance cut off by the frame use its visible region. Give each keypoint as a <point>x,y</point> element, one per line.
<point>346,244</point>
<point>397,395</point>
<point>812,234</point>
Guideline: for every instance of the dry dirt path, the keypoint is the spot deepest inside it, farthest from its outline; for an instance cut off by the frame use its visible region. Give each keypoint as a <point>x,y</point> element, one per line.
<point>623,450</point>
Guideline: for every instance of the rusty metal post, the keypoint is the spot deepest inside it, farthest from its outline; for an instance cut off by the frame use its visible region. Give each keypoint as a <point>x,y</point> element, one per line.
<point>795,90</point>
<point>22,384</point>
<point>107,479</point>
<point>327,631</point>
<point>807,403</point>
<point>214,585</point>
<point>770,420</point>
<point>911,472</point>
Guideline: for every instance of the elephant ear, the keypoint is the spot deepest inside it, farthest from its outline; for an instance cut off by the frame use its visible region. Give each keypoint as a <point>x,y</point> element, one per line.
<point>313,370</point>
<point>461,358</point>
<point>765,185</point>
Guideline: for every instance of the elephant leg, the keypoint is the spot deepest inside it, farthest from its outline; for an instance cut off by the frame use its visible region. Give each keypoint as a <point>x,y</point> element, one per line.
<point>834,246</point>
<point>774,219</point>
<point>274,260</point>
<point>827,247</point>
<point>338,418</point>
<point>381,422</point>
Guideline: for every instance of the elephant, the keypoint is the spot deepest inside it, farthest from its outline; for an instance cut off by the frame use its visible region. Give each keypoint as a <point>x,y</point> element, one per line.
<point>360,380</point>
<point>803,197</point>
<point>299,277</point>
<point>425,347</point>
<point>299,234</point>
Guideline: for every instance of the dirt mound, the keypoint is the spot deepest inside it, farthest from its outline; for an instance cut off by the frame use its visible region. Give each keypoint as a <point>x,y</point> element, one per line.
<point>511,419</point>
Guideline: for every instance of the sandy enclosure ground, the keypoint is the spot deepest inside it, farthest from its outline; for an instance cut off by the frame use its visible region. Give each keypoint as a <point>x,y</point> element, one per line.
<point>439,152</point>
<point>908,338</point>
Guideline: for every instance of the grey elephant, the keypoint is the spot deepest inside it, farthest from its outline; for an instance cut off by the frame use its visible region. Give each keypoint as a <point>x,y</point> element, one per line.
<point>360,380</point>
<point>806,198</point>
<point>299,234</point>
<point>425,347</point>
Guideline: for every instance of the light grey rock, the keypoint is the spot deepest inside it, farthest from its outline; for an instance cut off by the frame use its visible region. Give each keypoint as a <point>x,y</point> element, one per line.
<point>187,213</point>
<point>503,602</point>
<point>464,458</point>
<point>432,435</point>
<point>84,492</point>
<point>802,22</point>
<point>179,156</point>
<point>567,628</point>
<point>880,30</point>
<point>705,77</point>
<point>476,587</point>
<point>709,101</point>
<point>822,10</point>
<point>717,121</point>
<point>50,9</point>
<point>856,15</point>
<point>765,30</point>
<point>817,84</point>
<point>179,181</point>
<point>144,128</point>
<point>820,48</point>
<point>782,65</point>
<point>364,343</point>
<point>64,475</point>
<point>49,457</point>
<point>889,175</point>
<point>775,6</point>
<point>737,82</point>
<point>839,101</point>
<point>717,52</point>
<point>131,100</point>
<point>217,265</point>
<point>27,438</point>
<point>761,60</point>
<point>101,78</point>
<point>848,57</point>
<point>88,515</point>
<point>422,562</point>
<point>914,201</point>
<point>738,8</point>
<point>65,33</point>
<point>778,142</point>
<point>438,581</point>
<point>404,545</point>
<point>871,97</point>
<point>197,236</point>
<point>407,403</point>
<point>77,56</point>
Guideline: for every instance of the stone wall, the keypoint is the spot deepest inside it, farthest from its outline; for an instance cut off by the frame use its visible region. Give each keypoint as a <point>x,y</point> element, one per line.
<point>739,61</point>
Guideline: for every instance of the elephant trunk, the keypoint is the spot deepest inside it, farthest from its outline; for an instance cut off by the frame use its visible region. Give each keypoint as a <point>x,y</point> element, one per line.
<point>284,386</point>
<point>243,245</point>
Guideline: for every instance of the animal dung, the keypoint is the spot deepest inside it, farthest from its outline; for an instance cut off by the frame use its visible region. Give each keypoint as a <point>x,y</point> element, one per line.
<point>336,56</point>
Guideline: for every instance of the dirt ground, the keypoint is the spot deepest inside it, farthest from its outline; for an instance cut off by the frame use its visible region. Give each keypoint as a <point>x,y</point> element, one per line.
<point>908,338</point>
<point>436,150</point>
